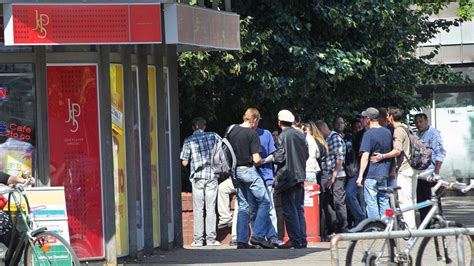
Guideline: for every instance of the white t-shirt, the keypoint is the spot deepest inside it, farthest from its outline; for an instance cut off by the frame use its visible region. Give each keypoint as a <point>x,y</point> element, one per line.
<point>312,164</point>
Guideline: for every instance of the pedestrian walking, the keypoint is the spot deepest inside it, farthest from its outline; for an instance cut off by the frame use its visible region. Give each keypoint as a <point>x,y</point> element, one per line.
<point>197,149</point>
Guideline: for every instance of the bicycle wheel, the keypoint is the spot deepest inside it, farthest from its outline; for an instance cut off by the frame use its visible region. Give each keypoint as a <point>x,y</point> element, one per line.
<point>442,250</point>
<point>50,249</point>
<point>365,252</point>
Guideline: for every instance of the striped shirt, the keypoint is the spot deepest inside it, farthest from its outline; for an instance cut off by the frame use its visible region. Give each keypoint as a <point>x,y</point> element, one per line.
<point>432,137</point>
<point>337,150</point>
<point>197,148</point>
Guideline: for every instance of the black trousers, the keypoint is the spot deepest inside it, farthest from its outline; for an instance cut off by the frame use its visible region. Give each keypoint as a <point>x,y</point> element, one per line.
<point>333,204</point>
<point>423,193</point>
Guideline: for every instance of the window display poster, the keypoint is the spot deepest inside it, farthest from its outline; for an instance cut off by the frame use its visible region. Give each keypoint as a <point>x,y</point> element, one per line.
<point>154,153</point>
<point>75,152</point>
<point>118,140</point>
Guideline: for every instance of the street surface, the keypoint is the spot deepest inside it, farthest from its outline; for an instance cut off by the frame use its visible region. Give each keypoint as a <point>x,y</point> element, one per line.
<point>460,209</point>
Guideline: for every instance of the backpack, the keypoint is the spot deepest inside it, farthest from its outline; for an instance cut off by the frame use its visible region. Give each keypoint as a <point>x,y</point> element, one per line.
<point>420,158</point>
<point>223,160</point>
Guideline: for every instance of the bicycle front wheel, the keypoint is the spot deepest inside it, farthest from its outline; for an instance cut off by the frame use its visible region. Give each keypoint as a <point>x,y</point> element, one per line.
<point>371,251</point>
<point>49,248</point>
<point>442,250</point>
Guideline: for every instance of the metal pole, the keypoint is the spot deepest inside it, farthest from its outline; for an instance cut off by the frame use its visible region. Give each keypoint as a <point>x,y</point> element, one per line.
<point>460,249</point>
<point>397,234</point>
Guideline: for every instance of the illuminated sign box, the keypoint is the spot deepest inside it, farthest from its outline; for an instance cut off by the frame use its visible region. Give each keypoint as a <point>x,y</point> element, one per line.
<point>52,24</point>
<point>201,27</point>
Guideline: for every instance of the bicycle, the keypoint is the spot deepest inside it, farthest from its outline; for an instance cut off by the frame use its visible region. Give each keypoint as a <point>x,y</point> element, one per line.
<point>34,246</point>
<point>390,251</point>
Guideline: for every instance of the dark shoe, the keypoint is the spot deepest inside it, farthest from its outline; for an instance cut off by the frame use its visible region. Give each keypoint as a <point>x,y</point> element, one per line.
<point>261,242</point>
<point>222,226</point>
<point>233,243</point>
<point>290,245</point>
<point>277,243</point>
<point>287,245</point>
<point>241,245</point>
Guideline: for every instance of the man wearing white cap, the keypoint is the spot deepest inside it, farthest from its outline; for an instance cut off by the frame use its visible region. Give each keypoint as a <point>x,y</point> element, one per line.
<point>291,156</point>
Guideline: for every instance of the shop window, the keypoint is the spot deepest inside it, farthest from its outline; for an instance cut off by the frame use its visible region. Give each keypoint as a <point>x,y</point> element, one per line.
<point>17,118</point>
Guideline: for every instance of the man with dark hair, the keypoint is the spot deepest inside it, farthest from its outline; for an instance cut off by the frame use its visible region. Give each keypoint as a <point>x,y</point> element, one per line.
<point>406,175</point>
<point>376,139</point>
<point>291,156</point>
<point>333,180</point>
<point>197,148</point>
<point>432,137</point>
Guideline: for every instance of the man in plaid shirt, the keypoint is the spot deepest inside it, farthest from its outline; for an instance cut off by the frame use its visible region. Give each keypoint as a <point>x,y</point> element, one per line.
<point>197,148</point>
<point>333,198</point>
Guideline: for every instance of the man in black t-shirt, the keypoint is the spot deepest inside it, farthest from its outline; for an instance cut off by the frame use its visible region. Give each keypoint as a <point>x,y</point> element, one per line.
<point>252,196</point>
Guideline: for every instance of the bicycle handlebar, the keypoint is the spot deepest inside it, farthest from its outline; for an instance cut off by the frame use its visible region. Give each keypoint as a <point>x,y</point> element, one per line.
<point>434,178</point>
<point>17,187</point>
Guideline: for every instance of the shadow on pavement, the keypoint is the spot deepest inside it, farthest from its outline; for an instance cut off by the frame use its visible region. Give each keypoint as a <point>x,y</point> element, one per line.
<point>219,255</point>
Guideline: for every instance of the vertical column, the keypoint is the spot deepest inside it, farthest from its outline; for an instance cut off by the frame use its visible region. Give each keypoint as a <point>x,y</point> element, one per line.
<point>41,129</point>
<point>163,158</point>
<point>172,61</point>
<point>145,161</point>
<point>129,95</point>
<point>107,169</point>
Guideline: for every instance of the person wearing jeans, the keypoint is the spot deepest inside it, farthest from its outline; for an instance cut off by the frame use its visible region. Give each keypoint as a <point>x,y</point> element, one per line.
<point>197,148</point>
<point>377,139</point>
<point>406,175</point>
<point>252,196</point>
<point>354,200</point>
<point>291,156</point>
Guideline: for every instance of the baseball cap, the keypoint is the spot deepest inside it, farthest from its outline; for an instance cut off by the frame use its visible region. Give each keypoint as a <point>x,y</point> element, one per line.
<point>371,113</point>
<point>287,116</point>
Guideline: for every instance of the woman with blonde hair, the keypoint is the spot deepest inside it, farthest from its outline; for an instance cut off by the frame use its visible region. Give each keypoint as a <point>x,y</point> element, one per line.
<point>317,148</point>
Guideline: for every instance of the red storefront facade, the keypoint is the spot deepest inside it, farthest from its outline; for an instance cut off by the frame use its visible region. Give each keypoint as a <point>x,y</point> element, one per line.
<point>79,76</point>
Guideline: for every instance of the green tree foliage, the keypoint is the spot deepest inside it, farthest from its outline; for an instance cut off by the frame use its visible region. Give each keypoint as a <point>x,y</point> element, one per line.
<point>316,58</point>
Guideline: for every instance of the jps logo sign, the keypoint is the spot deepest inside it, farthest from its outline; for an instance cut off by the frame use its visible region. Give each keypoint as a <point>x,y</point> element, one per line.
<point>41,21</point>
<point>74,111</point>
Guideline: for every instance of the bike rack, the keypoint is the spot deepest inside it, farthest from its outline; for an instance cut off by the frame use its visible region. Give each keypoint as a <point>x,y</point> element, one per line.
<point>400,234</point>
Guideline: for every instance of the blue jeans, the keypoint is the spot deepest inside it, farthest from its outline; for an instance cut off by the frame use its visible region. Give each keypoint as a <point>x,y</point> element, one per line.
<point>252,197</point>
<point>376,202</point>
<point>271,232</point>
<point>352,200</point>
<point>293,211</point>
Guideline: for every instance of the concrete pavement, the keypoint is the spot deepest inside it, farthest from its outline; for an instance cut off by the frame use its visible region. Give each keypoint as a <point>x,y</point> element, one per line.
<point>460,209</point>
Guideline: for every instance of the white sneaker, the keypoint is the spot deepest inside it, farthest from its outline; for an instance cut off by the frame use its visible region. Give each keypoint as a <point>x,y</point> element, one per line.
<point>196,243</point>
<point>213,243</point>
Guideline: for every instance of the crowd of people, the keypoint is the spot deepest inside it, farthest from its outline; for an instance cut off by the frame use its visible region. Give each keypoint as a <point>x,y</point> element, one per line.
<point>349,164</point>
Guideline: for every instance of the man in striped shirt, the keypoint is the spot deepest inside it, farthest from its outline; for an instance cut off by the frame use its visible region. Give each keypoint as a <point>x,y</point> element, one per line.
<point>333,180</point>
<point>197,148</point>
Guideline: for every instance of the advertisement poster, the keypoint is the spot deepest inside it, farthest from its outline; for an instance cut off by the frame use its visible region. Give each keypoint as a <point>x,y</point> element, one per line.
<point>75,152</point>
<point>154,153</point>
<point>118,139</point>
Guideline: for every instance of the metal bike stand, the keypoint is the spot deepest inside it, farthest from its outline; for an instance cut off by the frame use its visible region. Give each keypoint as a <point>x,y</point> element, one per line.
<point>401,234</point>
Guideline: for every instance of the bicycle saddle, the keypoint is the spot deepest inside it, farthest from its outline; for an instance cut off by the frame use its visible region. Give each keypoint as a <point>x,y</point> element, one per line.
<point>388,189</point>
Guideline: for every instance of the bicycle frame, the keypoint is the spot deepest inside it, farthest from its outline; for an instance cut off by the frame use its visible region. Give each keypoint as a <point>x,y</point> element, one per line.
<point>392,222</point>
<point>26,235</point>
